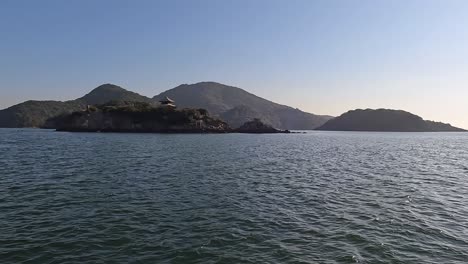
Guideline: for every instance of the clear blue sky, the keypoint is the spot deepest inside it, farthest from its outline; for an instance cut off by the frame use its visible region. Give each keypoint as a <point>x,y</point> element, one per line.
<point>324,57</point>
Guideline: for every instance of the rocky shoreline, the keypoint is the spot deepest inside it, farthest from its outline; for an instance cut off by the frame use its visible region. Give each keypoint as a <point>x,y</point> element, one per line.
<point>136,117</point>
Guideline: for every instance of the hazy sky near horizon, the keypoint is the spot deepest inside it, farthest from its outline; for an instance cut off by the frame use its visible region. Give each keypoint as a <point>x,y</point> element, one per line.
<point>324,57</point>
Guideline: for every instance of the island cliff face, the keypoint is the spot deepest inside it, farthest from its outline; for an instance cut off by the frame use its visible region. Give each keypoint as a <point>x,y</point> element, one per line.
<point>139,117</point>
<point>384,120</point>
<point>145,118</point>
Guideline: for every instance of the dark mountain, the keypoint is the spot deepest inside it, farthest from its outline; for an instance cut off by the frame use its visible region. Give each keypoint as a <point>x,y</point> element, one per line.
<point>384,120</point>
<point>232,104</point>
<point>239,114</point>
<point>237,106</point>
<point>36,113</point>
<point>109,92</point>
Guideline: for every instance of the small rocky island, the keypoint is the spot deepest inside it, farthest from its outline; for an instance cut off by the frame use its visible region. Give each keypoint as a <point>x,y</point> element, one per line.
<point>140,117</point>
<point>258,127</point>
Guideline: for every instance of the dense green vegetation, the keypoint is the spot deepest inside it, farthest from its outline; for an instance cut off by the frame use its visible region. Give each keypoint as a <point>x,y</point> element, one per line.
<point>141,111</point>
<point>36,113</point>
<point>128,116</point>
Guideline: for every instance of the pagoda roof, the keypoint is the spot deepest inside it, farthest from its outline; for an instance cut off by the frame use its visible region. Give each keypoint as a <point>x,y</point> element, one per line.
<point>167,99</point>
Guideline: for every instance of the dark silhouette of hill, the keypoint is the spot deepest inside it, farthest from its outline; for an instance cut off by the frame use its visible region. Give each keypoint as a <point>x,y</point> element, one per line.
<point>110,92</point>
<point>237,106</point>
<point>239,114</point>
<point>384,120</point>
<point>36,113</point>
<point>232,104</point>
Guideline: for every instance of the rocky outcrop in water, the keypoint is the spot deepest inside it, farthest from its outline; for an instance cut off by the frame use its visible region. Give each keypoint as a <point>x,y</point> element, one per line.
<point>258,127</point>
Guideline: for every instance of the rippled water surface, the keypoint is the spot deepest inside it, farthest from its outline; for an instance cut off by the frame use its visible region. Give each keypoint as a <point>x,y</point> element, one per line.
<point>320,197</point>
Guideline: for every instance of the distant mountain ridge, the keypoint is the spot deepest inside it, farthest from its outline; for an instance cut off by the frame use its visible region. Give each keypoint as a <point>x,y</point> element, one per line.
<point>36,113</point>
<point>234,105</point>
<point>231,104</point>
<point>237,106</point>
<point>384,120</point>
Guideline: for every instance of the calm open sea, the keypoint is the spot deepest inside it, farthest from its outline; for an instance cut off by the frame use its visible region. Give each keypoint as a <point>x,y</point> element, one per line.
<point>320,197</point>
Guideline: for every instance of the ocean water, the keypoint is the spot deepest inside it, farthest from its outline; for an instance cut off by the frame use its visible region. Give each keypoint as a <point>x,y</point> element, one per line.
<point>320,197</point>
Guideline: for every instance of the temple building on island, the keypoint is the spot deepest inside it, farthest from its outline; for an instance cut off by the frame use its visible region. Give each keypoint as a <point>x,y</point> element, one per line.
<point>168,102</point>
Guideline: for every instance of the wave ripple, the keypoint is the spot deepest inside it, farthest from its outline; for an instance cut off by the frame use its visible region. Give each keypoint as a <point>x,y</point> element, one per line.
<point>322,197</point>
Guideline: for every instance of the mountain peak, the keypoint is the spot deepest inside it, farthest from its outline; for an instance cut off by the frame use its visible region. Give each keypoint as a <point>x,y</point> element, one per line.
<point>232,103</point>
<point>211,83</point>
<point>238,106</point>
<point>111,92</point>
<point>207,85</point>
<point>107,87</point>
